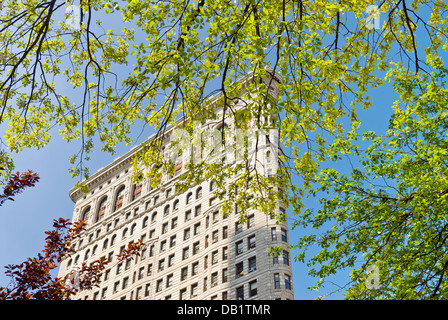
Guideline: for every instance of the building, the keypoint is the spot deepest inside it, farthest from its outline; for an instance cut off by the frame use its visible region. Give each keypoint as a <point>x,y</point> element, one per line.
<point>192,251</point>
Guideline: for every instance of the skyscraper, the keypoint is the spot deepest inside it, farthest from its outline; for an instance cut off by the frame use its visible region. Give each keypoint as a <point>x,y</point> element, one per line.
<point>192,251</point>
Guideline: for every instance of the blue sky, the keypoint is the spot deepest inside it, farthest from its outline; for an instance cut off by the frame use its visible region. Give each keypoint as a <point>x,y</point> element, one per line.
<point>25,220</point>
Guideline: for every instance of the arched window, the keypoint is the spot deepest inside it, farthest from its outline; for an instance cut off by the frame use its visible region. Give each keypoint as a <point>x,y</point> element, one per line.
<point>145,222</point>
<point>125,232</point>
<point>166,211</point>
<point>154,217</point>
<point>112,240</point>
<point>105,243</point>
<point>101,209</point>
<point>189,197</point>
<point>177,164</point>
<point>176,205</point>
<point>137,190</point>
<point>85,214</point>
<point>199,192</point>
<point>119,198</point>
<point>133,228</point>
<point>86,255</point>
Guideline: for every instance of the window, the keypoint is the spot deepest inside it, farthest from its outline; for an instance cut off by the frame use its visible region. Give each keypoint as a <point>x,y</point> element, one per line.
<point>165,228</point>
<point>172,241</point>
<point>224,253</point>
<point>116,286</point>
<point>212,186</point>
<point>215,236</point>
<point>284,235</point>
<point>198,193</point>
<point>141,273</point>
<point>250,221</point>
<point>194,290</point>
<point>163,246</point>
<point>215,216</point>
<point>176,205</point>
<point>253,288</point>
<point>186,233</point>
<point>225,232</point>
<point>136,193</point>
<point>152,233</point>
<point>275,259</point>
<point>159,285</point>
<point>197,210</point>
<point>194,268</point>
<point>252,264</point>
<point>104,293</point>
<point>189,198</point>
<point>240,293</point>
<point>268,157</point>
<point>168,193</point>
<point>287,282</point>
<point>188,215</point>
<point>125,283</point>
<point>166,211</point>
<point>105,243</point>
<point>238,227</point>
<point>145,222</point>
<point>195,248</point>
<point>154,217</point>
<point>101,209</point>
<point>285,257</point>
<point>174,223</point>
<point>215,257</point>
<point>85,214</point>
<point>212,201</point>
<point>169,280</point>
<point>133,228</point>
<point>147,289</point>
<point>273,234</point>
<point>214,279</point>
<point>161,264</point>
<point>183,294</point>
<point>276,281</point>
<point>86,255</point>
<point>138,294</point>
<point>119,198</point>
<point>251,242</point>
<point>239,271</point>
<point>225,275</point>
<point>184,273</point>
<point>185,253</point>
<point>197,228</point>
<point>239,247</point>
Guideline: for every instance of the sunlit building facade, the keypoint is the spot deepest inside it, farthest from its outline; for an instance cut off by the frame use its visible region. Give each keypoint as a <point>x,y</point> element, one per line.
<point>192,251</point>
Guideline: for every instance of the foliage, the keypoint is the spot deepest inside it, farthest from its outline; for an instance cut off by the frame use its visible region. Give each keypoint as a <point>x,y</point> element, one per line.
<point>32,279</point>
<point>17,183</point>
<point>183,52</point>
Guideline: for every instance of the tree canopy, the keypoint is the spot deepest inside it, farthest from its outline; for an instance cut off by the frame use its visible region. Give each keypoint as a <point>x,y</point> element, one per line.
<point>152,62</point>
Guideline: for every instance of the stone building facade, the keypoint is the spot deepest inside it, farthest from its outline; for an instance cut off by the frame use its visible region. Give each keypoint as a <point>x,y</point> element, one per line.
<point>192,251</point>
